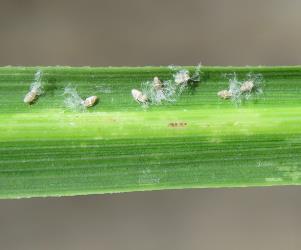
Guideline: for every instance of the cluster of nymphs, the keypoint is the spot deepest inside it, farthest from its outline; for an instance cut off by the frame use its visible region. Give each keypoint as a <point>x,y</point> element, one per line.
<point>73,100</point>
<point>242,90</point>
<point>157,91</point>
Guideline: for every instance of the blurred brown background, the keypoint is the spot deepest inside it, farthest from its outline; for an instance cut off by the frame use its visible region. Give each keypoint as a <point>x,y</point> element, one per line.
<point>139,32</point>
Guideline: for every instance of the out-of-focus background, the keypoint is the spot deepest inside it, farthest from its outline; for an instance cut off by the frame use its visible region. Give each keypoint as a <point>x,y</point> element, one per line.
<point>154,32</point>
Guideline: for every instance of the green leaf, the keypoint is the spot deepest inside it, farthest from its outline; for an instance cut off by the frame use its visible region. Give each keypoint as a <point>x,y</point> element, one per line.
<point>196,141</point>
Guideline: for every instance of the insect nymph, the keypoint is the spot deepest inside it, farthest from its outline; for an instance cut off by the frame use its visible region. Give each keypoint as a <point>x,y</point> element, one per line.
<point>224,94</point>
<point>74,102</point>
<point>36,89</point>
<point>182,77</point>
<point>247,86</point>
<point>139,96</point>
<point>158,85</point>
<point>90,101</point>
<point>31,96</point>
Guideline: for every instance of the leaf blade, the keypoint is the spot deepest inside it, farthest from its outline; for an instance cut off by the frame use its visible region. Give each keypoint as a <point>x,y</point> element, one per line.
<point>117,146</point>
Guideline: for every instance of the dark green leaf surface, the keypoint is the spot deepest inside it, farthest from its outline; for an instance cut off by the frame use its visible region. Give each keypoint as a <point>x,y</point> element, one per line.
<point>117,146</point>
